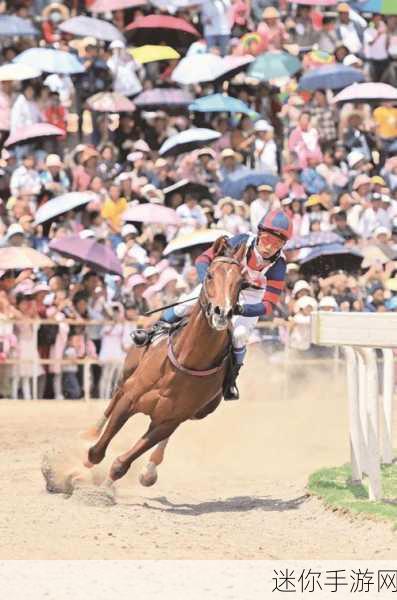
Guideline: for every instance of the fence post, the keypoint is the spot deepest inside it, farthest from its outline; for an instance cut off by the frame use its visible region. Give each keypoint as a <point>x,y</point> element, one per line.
<point>362,397</point>
<point>36,361</point>
<point>356,442</point>
<point>387,406</point>
<point>86,380</point>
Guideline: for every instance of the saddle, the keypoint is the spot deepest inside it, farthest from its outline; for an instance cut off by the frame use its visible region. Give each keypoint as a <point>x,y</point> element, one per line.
<point>145,337</point>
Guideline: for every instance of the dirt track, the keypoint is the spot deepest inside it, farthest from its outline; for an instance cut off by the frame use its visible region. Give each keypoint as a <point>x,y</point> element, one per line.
<point>232,486</point>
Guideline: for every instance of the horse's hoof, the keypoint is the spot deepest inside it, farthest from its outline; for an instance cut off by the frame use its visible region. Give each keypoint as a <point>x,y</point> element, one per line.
<point>88,464</point>
<point>149,475</point>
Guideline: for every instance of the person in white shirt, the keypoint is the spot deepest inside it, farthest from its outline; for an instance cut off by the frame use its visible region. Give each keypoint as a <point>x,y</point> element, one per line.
<point>216,19</point>
<point>129,250</point>
<point>124,70</point>
<point>261,205</point>
<point>373,217</point>
<point>348,31</point>
<point>228,219</point>
<point>191,214</point>
<point>376,47</point>
<point>26,177</point>
<point>265,149</point>
<point>25,111</point>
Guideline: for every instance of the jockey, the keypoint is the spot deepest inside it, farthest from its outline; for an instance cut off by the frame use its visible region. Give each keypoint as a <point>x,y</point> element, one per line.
<point>265,268</point>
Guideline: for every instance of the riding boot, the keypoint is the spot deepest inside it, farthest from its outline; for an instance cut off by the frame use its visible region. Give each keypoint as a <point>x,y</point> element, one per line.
<point>231,390</point>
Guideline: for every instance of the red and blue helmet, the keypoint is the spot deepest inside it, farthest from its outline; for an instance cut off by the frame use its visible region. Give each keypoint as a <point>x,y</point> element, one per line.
<point>276,222</point>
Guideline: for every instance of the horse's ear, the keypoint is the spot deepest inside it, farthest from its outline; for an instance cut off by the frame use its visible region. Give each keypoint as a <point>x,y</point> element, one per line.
<point>239,253</point>
<point>219,246</point>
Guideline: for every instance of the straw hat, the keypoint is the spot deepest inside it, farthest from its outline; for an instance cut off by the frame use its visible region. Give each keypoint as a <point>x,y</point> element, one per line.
<point>270,13</point>
<point>56,6</point>
<point>226,200</point>
<point>343,7</point>
<point>89,153</point>
<point>361,180</point>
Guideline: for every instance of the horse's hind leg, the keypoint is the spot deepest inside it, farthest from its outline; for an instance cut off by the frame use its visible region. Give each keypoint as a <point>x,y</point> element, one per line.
<point>154,435</point>
<point>149,475</point>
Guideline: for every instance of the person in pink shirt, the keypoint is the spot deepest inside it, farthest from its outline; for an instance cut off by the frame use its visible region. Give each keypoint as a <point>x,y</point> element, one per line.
<point>239,16</point>
<point>304,141</point>
<point>290,184</point>
<point>271,30</point>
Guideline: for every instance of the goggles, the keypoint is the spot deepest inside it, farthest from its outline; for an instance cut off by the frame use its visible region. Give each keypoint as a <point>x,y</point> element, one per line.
<point>269,242</point>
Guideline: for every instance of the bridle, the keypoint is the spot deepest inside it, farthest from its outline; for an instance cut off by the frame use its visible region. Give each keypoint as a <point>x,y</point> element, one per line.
<point>204,301</point>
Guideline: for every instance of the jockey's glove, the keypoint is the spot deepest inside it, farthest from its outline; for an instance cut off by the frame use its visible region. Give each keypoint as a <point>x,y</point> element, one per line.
<point>238,309</point>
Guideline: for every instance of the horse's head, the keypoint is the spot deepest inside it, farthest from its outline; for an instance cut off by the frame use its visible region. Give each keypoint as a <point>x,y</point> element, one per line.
<point>222,285</point>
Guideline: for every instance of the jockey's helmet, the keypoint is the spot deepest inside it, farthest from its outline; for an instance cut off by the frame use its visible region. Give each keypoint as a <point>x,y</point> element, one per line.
<point>274,230</point>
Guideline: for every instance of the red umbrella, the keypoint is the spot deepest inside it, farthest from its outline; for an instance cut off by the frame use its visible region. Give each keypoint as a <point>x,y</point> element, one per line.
<point>110,102</point>
<point>101,6</point>
<point>88,251</point>
<point>38,130</point>
<point>162,28</point>
<point>148,213</point>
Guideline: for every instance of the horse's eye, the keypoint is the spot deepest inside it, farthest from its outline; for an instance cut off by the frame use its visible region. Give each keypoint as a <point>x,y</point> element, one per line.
<point>209,276</point>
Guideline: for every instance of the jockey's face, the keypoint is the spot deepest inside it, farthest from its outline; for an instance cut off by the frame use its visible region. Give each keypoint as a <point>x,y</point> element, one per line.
<point>268,243</point>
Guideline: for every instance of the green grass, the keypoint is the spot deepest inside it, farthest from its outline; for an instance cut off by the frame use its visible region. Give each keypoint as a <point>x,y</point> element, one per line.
<point>336,490</point>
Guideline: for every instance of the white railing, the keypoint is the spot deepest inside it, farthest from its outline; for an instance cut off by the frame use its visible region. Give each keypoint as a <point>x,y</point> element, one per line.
<point>370,411</point>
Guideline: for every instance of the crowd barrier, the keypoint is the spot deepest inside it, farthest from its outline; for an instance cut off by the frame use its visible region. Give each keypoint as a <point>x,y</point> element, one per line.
<point>370,385</point>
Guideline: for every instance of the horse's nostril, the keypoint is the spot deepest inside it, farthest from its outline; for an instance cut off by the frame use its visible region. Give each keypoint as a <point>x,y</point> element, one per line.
<point>229,314</point>
<point>217,310</point>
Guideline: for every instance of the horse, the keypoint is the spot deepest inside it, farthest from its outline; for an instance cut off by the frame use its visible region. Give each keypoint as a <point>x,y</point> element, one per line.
<point>178,377</point>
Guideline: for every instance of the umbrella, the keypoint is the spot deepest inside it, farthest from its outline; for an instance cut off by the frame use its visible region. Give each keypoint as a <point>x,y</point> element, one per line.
<point>162,28</point>
<point>62,204</point>
<point>366,92</point>
<point>88,251</point>
<point>20,258</point>
<point>110,102</point>
<point>232,65</point>
<point>11,26</point>
<point>384,7</point>
<point>148,213</point>
<point>324,259</point>
<point>30,132</point>
<point>332,77</point>
<point>311,240</point>
<point>150,53</point>
<point>163,97</point>
<point>174,5</point>
<point>13,72</point>
<point>273,65</point>
<point>50,61</point>
<point>198,68</point>
<point>101,6</point>
<point>221,103</point>
<point>197,238</point>
<point>188,140</point>
<point>315,2</point>
<point>184,186</point>
<point>235,184</point>
<point>88,26</point>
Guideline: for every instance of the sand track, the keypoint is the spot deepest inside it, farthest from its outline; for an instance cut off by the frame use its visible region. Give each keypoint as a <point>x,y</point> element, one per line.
<point>232,486</point>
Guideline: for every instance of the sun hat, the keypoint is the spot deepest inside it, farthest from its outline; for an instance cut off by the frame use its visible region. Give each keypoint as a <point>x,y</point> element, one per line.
<point>150,271</point>
<point>263,125</point>
<point>305,302</point>
<point>354,157</point>
<point>328,302</point>
<point>141,145</point>
<point>300,286</point>
<point>265,187</point>
<point>133,156</point>
<point>361,180</point>
<point>343,7</point>
<point>382,231</point>
<point>270,13</point>
<point>377,180</point>
<point>135,280</point>
<point>87,234</point>
<point>292,267</point>
<point>14,229</point>
<point>128,229</point>
<point>116,44</point>
<point>206,152</point>
<point>53,160</point>
<point>228,153</point>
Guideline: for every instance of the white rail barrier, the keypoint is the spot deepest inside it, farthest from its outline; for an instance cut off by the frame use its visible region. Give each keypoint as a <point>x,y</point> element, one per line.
<point>370,412</point>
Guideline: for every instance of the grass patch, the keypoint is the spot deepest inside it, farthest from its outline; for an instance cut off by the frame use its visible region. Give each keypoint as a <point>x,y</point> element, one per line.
<point>335,488</point>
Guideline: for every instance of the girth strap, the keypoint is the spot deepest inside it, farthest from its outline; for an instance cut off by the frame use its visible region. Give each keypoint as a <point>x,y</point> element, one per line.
<point>177,365</point>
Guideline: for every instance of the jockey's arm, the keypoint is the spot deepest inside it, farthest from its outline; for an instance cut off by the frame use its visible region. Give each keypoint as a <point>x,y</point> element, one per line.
<point>275,282</point>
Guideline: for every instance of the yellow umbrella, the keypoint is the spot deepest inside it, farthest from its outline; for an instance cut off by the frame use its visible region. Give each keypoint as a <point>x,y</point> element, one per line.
<point>149,53</point>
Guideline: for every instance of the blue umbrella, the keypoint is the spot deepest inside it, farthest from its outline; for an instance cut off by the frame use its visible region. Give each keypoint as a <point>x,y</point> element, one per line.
<point>89,26</point>
<point>50,61</point>
<point>62,204</point>
<point>331,257</point>
<point>234,185</point>
<point>320,238</point>
<point>221,103</point>
<point>11,26</point>
<point>188,140</point>
<point>331,77</point>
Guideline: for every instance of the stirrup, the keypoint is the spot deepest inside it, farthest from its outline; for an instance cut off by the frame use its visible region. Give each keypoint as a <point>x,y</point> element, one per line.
<point>231,393</point>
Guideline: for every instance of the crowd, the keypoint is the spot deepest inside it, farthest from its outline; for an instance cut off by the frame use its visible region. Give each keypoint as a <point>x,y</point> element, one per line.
<point>332,167</point>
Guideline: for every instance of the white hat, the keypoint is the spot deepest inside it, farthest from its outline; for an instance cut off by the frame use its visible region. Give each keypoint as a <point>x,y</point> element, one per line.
<point>116,44</point>
<point>328,302</point>
<point>53,160</point>
<point>263,125</point>
<point>128,229</point>
<point>382,231</point>
<point>86,234</point>
<point>132,156</point>
<point>14,229</point>
<point>292,267</point>
<point>350,60</point>
<point>150,271</point>
<point>301,285</point>
<point>354,157</point>
<point>304,302</point>
<point>41,287</point>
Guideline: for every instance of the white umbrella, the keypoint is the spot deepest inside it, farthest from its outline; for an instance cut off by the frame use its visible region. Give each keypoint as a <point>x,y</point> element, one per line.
<point>18,72</point>
<point>202,236</point>
<point>198,68</point>
<point>188,140</point>
<point>62,204</point>
<point>367,92</point>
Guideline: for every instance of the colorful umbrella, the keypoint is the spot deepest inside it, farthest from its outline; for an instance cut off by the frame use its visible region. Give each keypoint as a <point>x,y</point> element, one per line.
<point>235,184</point>
<point>315,2</point>
<point>88,251</point>
<point>149,53</point>
<point>89,26</point>
<point>162,28</point>
<point>221,103</point>
<point>13,72</point>
<point>197,238</point>
<point>188,140</point>
<point>274,65</point>
<point>331,257</point>
<point>198,68</point>
<point>384,7</point>
<point>101,6</point>
<point>110,102</point>
<point>163,97</point>
<point>331,77</point>
<point>20,258</point>
<point>311,240</point>
<point>149,213</point>
<point>62,204</point>
<point>367,92</point>
<point>318,58</point>
<point>50,61</point>
<point>11,26</point>
<point>31,132</point>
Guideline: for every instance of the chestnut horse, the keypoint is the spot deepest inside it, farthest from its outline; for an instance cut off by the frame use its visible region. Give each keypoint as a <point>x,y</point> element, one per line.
<point>178,377</point>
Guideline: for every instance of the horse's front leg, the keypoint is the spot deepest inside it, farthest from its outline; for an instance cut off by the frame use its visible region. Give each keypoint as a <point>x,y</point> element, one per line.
<point>148,475</point>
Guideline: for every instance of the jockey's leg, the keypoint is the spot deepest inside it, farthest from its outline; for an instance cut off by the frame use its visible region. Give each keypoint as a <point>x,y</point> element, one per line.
<point>240,337</point>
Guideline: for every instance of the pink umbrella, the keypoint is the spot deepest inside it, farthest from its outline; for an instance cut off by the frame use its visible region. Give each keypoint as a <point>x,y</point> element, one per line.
<point>110,102</point>
<point>233,65</point>
<point>161,28</point>
<point>367,92</point>
<point>315,2</point>
<point>38,130</point>
<point>151,213</point>
<point>89,252</point>
<point>101,6</point>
